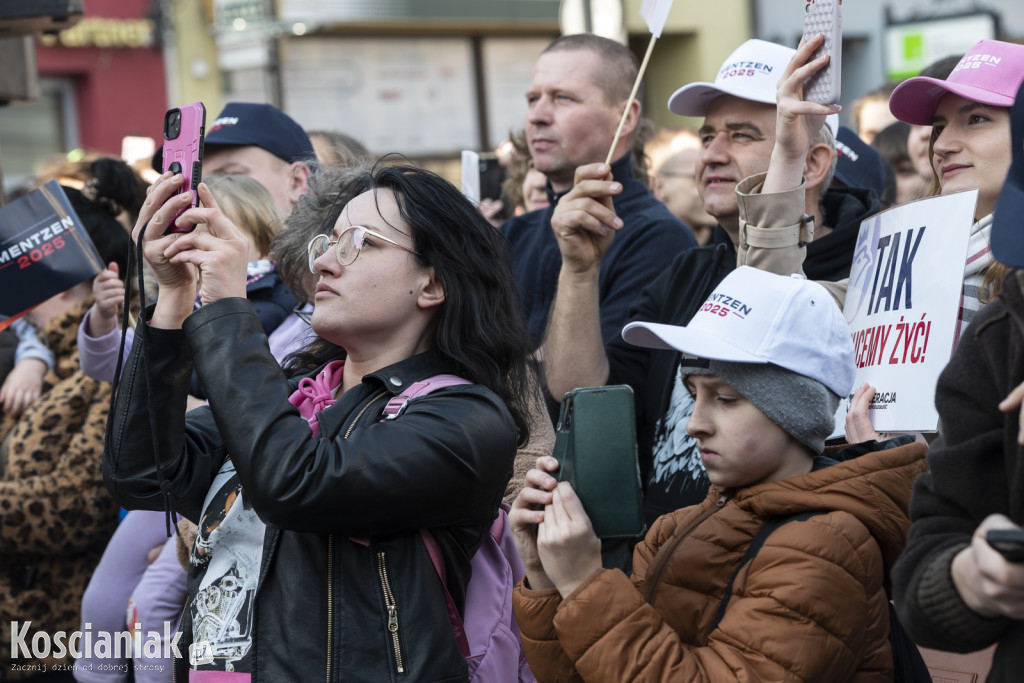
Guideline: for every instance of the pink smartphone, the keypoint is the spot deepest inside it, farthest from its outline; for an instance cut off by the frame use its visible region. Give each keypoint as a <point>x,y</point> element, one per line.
<point>825,17</point>
<point>184,133</point>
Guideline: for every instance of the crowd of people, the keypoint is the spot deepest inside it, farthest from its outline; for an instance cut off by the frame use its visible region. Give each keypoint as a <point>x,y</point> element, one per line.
<point>337,378</point>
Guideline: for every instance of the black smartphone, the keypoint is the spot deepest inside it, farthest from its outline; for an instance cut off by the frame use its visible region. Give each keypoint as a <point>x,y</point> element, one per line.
<point>1009,543</point>
<point>492,175</point>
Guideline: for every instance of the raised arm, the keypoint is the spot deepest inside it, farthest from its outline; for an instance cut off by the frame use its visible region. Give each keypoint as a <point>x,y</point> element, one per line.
<point>584,223</point>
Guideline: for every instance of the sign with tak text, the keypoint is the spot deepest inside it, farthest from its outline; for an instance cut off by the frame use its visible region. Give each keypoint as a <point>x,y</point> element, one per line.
<point>44,250</point>
<point>902,304</point>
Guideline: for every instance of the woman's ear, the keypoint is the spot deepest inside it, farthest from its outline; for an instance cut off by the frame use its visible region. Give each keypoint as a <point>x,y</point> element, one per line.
<point>432,292</point>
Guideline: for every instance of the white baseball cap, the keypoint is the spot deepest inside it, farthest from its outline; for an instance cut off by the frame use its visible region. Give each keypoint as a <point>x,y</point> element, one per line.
<point>751,72</point>
<point>757,317</point>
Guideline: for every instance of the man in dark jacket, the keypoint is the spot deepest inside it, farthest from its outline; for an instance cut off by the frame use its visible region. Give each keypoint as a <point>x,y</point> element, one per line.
<point>580,87</point>
<point>738,136</point>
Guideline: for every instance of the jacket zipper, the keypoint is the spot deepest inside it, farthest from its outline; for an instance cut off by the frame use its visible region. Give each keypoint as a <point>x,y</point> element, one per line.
<point>389,602</point>
<point>353,423</point>
<point>330,600</point>
<point>330,552</point>
<point>666,552</point>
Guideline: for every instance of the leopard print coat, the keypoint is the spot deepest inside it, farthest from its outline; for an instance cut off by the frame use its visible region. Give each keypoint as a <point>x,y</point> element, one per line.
<point>56,515</point>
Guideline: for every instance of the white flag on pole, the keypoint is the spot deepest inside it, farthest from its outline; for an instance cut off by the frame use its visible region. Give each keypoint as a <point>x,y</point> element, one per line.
<point>655,13</point>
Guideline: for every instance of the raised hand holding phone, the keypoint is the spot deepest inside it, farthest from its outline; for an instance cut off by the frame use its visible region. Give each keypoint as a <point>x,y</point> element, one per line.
<point>798,119</point>
<point>184,134</point>
<point>824,17</point>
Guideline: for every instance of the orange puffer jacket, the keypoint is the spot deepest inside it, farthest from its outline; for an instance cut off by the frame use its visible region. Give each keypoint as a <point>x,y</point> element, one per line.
<point>811,606</point>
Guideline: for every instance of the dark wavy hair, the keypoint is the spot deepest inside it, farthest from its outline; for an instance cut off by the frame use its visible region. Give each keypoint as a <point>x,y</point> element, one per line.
<point>113,188</point>
<point>479,328</point>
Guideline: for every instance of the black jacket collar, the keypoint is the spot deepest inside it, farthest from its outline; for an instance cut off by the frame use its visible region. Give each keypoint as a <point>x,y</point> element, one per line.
<point>622,170</point>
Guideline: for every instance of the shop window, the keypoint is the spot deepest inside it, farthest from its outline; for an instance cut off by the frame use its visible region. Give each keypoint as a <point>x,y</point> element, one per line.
<point>33,133</point>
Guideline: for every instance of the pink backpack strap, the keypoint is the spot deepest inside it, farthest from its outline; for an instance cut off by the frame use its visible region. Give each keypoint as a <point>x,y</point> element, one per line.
<point>497,530</point>
<point>396,406</point>
<point>458,628</point>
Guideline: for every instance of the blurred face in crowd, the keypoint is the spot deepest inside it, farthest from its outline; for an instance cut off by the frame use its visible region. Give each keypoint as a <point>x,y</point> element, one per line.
<point>971,146</point>
<point>569,121</point>
<point>737,139</point>
<point>739,445</point>
<point>535,194</point>
<point>59,304</point>
<point>909,183</point>
<point>874,116</point>
<point>918,143</point>
<point>675,184</point>
<point>286,182</point>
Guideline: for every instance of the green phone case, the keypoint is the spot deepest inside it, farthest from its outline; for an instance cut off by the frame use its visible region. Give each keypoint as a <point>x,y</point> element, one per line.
<point>595,444</point>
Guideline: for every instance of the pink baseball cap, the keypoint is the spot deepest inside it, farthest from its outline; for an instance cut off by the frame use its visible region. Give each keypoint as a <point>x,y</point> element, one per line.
<point>989,73</point>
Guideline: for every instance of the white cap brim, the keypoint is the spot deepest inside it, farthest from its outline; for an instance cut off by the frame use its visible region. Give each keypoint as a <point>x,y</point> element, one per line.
<point>690,341</point>
<point>694,99</point>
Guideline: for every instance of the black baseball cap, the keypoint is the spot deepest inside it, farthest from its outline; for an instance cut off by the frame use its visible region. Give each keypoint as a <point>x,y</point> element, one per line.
<point>858,164</point>
<point>260,125</point>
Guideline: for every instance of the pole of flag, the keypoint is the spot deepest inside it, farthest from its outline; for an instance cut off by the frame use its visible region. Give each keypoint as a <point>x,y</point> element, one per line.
<point>632,95</point>
<point>655,13</point>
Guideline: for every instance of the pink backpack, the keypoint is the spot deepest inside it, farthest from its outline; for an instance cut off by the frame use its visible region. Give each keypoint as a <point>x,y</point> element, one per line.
<point>489,636</point>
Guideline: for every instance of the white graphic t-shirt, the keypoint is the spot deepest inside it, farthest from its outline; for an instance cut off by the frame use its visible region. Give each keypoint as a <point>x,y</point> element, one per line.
<point>677,476</point>
<point>229,547</point>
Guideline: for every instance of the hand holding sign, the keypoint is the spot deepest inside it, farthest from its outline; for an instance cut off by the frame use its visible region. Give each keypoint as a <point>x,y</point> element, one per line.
<point>108,293</point>
<point>902,302</point>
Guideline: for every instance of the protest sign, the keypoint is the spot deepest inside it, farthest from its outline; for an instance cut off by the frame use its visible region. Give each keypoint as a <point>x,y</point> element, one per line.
<point>902,304</point>
<point>44,250</point>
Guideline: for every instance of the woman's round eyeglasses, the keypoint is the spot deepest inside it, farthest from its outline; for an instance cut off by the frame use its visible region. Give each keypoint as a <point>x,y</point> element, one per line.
<point>350,243</point>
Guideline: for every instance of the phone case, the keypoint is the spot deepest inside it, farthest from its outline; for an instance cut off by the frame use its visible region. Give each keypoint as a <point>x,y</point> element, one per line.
<point>184,134</point>
<point>595,444</point>
<point>825,17</point>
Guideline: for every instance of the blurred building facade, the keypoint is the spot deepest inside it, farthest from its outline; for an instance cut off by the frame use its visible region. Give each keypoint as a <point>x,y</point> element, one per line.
<point>98,81</point>
<point>423,79</point>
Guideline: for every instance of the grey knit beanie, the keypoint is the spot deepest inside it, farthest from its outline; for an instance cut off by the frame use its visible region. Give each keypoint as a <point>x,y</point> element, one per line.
<point>805,408</point>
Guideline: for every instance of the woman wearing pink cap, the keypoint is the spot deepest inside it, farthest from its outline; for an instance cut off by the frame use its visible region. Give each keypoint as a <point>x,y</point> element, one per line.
<point>970,117</point>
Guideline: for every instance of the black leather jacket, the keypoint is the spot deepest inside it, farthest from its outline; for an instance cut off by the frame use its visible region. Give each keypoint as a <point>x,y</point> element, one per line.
<point>342,511</point>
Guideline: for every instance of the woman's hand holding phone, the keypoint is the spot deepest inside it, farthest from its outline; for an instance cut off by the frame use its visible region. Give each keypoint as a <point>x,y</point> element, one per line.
<point>216,253</point>
<point>177,282</point>
<point>987,581</point>
<point>218,250</point>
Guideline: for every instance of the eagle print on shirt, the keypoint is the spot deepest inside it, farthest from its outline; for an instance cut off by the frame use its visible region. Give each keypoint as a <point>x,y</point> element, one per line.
<point>677,474</point>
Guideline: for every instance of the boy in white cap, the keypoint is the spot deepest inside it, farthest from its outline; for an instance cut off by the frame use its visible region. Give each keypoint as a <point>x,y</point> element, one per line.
<point>732,588</point>
<point>738,136</point>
